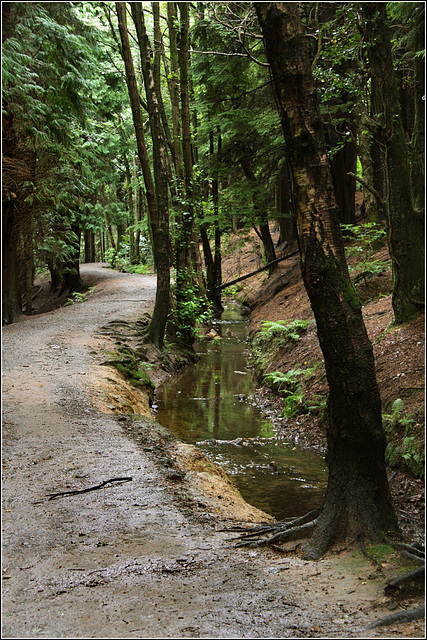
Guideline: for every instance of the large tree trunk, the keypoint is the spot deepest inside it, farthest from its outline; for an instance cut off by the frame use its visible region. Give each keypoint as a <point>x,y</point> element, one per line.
<point>357,500</point>
<point>156,198</point>
<point>217,271</point>
<point>89,238</point>
<point>343,162</point>
<point>405,225</point>
<point>284,207</point>
<point>185,258</point>
<point>213,261</point>
<point>418,137</point>
<point>11,305</point>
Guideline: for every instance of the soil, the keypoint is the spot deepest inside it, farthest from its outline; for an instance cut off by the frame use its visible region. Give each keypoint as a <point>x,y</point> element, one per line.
<point>146,557</point>
<point>399,355</point>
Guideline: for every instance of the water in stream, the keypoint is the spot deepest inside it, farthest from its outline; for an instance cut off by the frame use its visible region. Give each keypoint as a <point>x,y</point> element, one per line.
<point>207,405</point>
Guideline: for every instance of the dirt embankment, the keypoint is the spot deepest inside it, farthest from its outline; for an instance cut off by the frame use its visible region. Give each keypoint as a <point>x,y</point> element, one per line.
<point>399,355</point>
<point>146,558</point>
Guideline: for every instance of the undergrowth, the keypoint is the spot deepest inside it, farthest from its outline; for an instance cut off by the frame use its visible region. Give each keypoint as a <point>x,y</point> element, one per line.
<point>78,297</point>
<point>292,385</point>
<point>404,446</point>
<point>273,337</point>
<point>132,369</point>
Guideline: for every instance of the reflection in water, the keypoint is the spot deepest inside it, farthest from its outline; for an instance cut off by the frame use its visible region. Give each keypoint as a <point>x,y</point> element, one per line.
<point>206,404</point>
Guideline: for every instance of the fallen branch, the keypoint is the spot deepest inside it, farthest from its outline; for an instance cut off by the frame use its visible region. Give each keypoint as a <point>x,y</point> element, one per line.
<point>74,492</point>
<point>253,273</point>
<point>374,192</point>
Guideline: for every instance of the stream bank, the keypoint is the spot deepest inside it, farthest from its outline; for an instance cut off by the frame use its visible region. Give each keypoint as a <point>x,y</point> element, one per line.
<point>400,365</point>
<point>141,559</point>
<point>210,404</point>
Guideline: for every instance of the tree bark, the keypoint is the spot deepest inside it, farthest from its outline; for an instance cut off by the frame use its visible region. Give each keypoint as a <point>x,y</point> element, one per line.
<point>405,225</point>
<point>156,197</point>
<point>418,137</point>
<point>174,87</point>
<point>186,280</point>
<point>343,162</point>
<point>284,206</point>
<point>357,500</point>
<point>11,306</point>
<point>89,238</point>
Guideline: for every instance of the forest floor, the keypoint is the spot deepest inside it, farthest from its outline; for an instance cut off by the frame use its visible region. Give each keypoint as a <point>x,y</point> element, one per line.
<point>146,557</point>
<point>399,356</point>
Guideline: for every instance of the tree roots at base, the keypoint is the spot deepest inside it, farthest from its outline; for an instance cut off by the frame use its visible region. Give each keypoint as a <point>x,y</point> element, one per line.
<point>399,616</point>
<point>278,532</point>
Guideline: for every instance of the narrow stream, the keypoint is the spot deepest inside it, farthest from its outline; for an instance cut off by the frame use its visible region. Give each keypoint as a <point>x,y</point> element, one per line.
<point>208,404</point>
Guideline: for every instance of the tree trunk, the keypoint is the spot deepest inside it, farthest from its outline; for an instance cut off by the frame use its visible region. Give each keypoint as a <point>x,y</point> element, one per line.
<point>373,211</point>
<point>156,198</point>
<point>343,162</point>
<point>89,238</point>
<point>131,211</point>
<point>186,281</point>
<point>418,137</point>
<point>284,207</point>
<point>405,225</point>
<point>173,87</point>
<point>357,500</point>
<point>213,261</point>
<point>264,229</point>
<point>11,306</point>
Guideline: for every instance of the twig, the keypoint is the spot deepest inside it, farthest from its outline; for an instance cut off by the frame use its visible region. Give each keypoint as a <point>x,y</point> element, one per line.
<point>374,192</point>
<point>52,496</point>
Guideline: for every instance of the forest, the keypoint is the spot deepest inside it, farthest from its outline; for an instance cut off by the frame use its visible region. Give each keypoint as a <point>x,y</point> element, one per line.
<point>265,154</point>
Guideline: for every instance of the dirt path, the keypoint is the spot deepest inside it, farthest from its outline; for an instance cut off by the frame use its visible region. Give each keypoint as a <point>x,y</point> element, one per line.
<point>133,560</point>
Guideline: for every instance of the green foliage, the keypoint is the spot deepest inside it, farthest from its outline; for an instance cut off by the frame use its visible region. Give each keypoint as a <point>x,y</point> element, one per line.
<point>273,337</point>
<point>288,331</point>
<point>192,307</point>
<point>368,238</point>
<point>119,260</point>
<point>290,384</point>
<point>132,368</point>
<point>78,297</point>
<point>403,447</point>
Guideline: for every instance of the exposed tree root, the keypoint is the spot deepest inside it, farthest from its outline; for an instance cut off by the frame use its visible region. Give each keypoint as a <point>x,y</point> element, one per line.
<point>399,616</point>
<point>281,531</point>
<point>365,553</point>
<point>405,580</point>
<point>416,559</point>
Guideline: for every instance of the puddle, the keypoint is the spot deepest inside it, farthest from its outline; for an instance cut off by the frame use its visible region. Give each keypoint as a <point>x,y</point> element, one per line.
<point>208,404</point>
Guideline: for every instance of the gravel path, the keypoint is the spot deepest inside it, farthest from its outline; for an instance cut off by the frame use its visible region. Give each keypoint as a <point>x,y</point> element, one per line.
<point>129,561</point>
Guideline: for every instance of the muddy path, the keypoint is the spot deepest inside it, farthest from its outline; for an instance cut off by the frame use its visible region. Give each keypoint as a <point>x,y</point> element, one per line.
<point>141,559</point>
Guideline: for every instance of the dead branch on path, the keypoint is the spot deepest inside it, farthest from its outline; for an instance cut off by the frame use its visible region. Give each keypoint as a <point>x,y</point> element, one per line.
<point>52,496</point>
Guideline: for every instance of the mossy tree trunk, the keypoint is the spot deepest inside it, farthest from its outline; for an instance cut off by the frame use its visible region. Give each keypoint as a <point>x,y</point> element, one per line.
<point>357,500</point>
<point>418,136</point>
<point>156,197</point>
<point>405,225</point>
